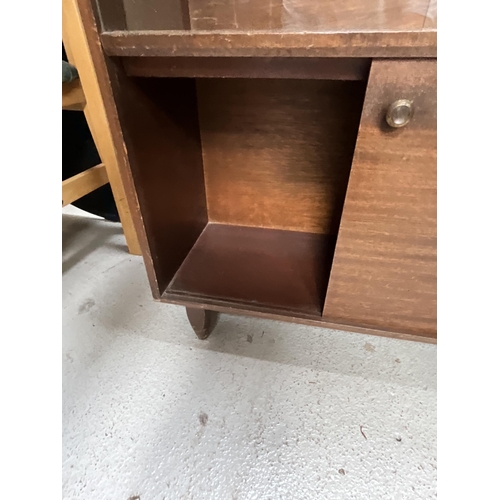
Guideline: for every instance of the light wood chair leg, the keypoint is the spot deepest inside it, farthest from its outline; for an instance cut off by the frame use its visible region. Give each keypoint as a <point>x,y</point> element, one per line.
<point>78,52</point>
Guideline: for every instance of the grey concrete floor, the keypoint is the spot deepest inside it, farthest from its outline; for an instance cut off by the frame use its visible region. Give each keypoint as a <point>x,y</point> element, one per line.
<point>260,410</point>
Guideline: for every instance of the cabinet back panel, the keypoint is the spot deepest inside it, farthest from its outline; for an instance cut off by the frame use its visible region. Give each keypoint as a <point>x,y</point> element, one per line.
<point>277,153</point>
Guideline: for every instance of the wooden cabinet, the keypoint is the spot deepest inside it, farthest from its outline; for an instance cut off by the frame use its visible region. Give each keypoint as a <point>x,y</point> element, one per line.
<point>257,144</point>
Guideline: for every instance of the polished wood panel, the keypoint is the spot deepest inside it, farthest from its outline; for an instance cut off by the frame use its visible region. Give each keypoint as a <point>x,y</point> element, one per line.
<point>277,153</point>
<point>384,270</point>
<point>277,269</point>
<point>404,250</point>
<point>161,134</point>
<point>342,68</point>
<point>255,44</point>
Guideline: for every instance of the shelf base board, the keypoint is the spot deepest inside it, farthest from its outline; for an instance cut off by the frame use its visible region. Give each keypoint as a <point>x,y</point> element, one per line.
<point>275,269</point>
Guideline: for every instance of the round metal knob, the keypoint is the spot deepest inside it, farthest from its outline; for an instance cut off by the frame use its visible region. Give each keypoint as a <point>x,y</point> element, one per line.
<point>399,113</point>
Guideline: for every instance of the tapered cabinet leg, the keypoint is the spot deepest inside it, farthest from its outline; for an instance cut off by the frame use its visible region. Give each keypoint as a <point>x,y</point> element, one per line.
<point>202,321</point>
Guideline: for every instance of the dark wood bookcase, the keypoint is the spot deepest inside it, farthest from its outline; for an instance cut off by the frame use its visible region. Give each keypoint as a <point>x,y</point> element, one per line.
<point>280,156</point>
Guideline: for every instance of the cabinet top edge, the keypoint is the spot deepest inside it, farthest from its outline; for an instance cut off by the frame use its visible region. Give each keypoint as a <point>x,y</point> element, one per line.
<point>390,44</point>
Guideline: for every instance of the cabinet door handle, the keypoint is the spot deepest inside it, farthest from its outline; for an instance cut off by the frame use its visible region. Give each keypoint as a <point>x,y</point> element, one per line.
<point>399,113</point>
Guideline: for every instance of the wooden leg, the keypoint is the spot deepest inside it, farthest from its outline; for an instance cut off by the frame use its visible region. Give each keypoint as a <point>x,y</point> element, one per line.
<point>202,321</point>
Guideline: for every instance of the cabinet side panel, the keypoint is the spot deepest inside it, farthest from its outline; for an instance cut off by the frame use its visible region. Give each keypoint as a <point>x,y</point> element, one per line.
<point>155,131</point>
<point>159,120</point>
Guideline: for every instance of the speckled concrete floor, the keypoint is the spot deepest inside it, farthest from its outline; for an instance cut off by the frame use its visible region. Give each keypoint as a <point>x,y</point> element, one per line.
<point>260,410</point>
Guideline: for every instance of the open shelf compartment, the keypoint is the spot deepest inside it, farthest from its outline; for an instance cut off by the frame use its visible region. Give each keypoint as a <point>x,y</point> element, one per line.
<point>241,183</point>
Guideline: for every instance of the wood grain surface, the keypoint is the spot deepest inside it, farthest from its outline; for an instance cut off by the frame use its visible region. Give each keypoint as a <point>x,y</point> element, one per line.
<point>73,98</point>
<point>383,277</point>
<point>282,270</point>
<point>259,311</point>
<point>277,44</point>
<point>277,153</point>
<point>159,120</point>
<point>341,68</point>
<point>83,183</point>
<point>384,270</point>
